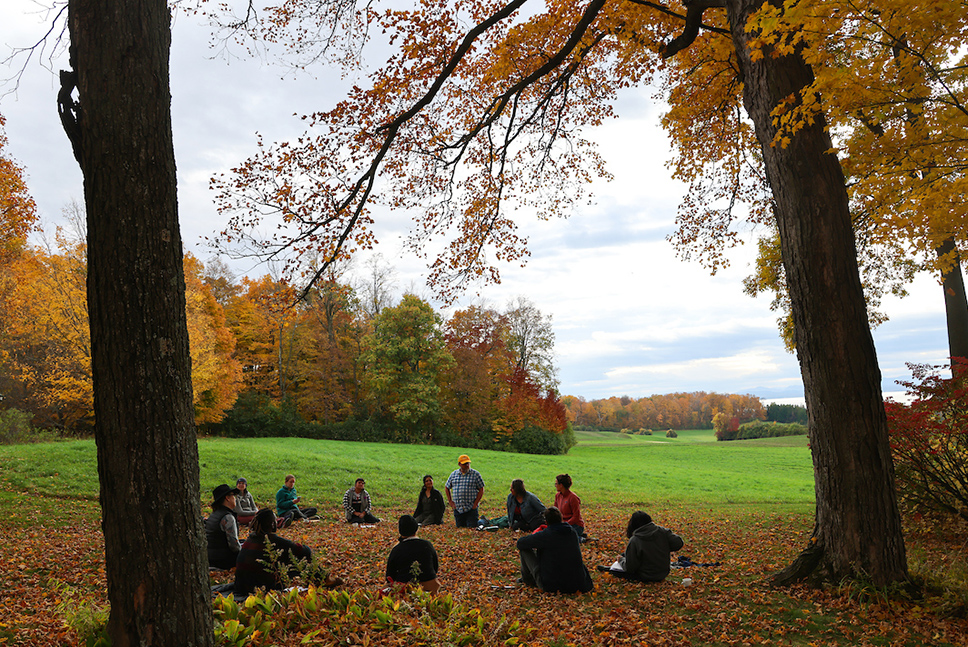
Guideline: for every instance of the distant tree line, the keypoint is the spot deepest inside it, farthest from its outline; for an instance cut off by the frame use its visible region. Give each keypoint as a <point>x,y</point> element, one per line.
<point>347,361</point>
<point>659,412</point>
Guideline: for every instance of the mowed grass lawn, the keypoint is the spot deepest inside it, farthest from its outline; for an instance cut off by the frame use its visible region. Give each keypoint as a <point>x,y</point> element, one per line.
<point>607,468</point>
<point>745,504</point>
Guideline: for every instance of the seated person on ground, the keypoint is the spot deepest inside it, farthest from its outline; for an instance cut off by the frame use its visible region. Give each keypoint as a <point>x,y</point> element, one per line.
<point>221,529</point>
<point>525,510</point>
<point>254,569</point>
<point>647,555</point>
<point>245,507</point>
<point>356,503</point>
<point>569,503</point>
<point>413,559</point>
<point>430,504</point>
<point>286,500</point>
<point>551,558</point>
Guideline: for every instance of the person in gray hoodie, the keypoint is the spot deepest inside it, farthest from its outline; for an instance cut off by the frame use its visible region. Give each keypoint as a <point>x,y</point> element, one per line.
<point>646,557</point>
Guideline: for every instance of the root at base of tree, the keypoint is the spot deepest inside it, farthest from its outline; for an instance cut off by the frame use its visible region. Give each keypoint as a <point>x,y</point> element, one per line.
<point>802,568</point>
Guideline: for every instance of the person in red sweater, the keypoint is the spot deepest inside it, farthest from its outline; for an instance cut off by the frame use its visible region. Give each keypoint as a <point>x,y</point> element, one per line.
<point>569,504</point>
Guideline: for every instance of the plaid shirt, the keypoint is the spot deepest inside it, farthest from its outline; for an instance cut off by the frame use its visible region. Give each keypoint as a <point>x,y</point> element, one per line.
<point>464,488</point>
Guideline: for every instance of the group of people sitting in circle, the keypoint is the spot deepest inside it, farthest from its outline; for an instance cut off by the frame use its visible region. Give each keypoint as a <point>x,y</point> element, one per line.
<point>550,552</point>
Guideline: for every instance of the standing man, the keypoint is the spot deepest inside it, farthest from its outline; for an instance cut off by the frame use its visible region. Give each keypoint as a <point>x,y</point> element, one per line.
<point>286,500</point>
<point>465,489</point>
<point>356,502</point>
<point>551,558</point>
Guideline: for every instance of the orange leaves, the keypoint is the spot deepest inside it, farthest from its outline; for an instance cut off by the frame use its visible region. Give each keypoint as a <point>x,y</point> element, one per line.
<point>18,213</point>
<point>42,564</point>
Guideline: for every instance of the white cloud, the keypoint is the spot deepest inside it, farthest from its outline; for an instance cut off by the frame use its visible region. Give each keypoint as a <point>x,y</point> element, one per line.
<point>630,317</point>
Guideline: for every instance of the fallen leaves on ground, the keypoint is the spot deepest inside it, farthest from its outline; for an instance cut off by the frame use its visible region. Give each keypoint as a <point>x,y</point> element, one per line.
<point>726,605</point>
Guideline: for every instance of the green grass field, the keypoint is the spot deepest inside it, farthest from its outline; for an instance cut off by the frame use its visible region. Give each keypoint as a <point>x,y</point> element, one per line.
<point>628,471</point>
<point>746,505</point>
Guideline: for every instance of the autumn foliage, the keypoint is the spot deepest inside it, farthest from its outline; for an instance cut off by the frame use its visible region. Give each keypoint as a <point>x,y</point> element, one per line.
<point>54,592</point>
<point>697,410</point>
<point>303,364</point>
<point>45,353</point>
<point>929,439</point>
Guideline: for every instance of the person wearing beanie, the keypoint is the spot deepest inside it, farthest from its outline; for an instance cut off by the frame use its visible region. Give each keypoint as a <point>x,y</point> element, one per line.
<point>245,507</point>
<point>413,559</point>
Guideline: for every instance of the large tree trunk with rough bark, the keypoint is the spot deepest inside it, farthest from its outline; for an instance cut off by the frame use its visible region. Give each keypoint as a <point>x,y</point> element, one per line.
<point>858,528</point>
<point>121,132</point>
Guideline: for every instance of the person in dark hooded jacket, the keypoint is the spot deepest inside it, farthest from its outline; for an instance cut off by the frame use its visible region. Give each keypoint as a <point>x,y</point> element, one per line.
<point>551,558</point>
<point>647,555</point>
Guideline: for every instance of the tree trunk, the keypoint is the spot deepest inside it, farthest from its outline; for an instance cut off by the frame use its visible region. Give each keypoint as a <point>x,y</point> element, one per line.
<point>154,545</point>
<point>858,528</point>
<point>955,303</point>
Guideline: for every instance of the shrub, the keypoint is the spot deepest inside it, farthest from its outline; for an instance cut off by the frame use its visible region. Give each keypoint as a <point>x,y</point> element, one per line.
<point>761,429</point>
<point>671,434</point>
<point>255,415</point>
<point>725,426</point>
<point>534,440</point>
<point>929,439</point>
<point>15,429</point>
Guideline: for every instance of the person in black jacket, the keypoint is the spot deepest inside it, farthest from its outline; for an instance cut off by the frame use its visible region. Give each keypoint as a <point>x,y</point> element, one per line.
<point>413,559</point>
<point>222,529</point>
<point>253,570</point>
<point>551,558</point>
<point>430,504</point>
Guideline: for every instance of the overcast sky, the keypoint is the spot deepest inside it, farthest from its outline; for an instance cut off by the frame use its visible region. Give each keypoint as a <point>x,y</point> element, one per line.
<point>629,317</point>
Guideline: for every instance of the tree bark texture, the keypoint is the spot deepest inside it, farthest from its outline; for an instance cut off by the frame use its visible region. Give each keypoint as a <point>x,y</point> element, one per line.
<point>858,526</point>
<point>955,302</point>
<point>155,554</point>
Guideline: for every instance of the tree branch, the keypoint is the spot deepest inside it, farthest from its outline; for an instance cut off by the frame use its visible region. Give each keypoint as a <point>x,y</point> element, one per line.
<point>694,11</point>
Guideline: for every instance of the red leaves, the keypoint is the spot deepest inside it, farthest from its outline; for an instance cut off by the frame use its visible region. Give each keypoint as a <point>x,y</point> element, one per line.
<point>929,439</point>
<point>726,605</point>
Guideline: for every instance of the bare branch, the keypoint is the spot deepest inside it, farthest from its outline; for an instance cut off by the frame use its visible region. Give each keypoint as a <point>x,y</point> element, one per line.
<point>694,12</point>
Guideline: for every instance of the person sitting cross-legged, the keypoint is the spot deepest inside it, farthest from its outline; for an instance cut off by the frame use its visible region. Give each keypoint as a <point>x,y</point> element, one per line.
<point>525,510</point>
<point>254,568</point>
<point>356,504</point>
<point>413,559</point>
<point>286,500</point>
<point>430,504</point>
<point>646,557</point>
<point>245,507</point>
<point>551,558</point>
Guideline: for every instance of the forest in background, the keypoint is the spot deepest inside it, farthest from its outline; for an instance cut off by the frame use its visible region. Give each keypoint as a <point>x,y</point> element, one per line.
<point>348,361</point>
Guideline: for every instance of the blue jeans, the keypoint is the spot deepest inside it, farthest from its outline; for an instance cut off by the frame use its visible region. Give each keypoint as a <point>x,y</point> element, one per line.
<point>466,519</point>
